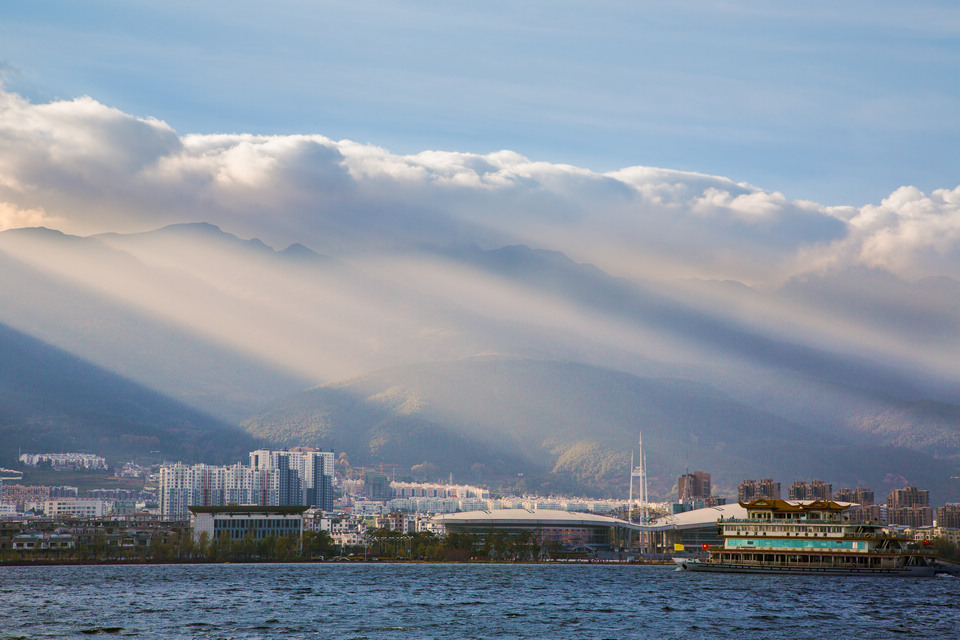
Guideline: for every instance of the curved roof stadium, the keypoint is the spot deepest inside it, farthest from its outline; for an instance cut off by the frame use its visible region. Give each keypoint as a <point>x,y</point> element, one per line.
<point>531,518</point>
<point>559,526</point>
<point>697,518</point>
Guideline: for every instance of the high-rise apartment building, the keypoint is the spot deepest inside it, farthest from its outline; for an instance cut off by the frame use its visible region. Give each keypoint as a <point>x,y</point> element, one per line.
<point>948,516</point>
<point>274,478</point>
<point>693,486</point>
<point>305,476</point>
<point>908,497</point>
<point>750,490</point>
<point>815,490</point>
<point>909,507</point>
<point>861,496</point>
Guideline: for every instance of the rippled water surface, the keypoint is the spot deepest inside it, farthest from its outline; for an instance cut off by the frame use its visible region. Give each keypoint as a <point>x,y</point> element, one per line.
<point>465,601</point>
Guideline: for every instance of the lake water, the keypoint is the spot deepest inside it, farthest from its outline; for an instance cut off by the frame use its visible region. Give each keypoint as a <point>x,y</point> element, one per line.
<point>465,601</point>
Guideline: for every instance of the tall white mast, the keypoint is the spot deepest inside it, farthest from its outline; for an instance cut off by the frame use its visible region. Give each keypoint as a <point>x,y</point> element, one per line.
<point>639,473</point>
<point>645,500</point>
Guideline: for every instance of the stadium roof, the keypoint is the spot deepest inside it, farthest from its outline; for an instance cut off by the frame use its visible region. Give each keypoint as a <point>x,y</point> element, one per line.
<point>708,516</point>
<point>532,518</point>
<point>697,518</point>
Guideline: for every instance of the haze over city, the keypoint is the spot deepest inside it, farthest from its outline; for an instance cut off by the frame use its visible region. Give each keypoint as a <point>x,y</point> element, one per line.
<point>536,229</point>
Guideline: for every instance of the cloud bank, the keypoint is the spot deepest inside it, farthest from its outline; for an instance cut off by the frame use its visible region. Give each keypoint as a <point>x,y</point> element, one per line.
<point>83,167</point>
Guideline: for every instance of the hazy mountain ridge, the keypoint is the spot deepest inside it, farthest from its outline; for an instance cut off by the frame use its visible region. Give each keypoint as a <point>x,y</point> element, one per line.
<point>215,321</point>
<point>98,326</point>
<point>927,311</point>
<point>576,421</point>
<point>714,334</point>
<point>52,401</point>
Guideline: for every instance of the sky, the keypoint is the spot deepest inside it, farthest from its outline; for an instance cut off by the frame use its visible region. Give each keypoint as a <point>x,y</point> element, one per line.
<point>838,103</point>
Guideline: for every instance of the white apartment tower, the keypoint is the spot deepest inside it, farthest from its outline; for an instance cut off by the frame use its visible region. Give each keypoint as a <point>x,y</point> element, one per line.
<point>274,478</point>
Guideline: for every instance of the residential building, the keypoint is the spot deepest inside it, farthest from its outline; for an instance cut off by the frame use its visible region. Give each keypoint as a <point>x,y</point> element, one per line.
<point>397,521</point>
<point>75,507</point>
<point>867,513</point>
<point>948,516</point>
<point>815,490</point>
<point>376,487</point>
<point>909,507</point>
<point>64,460</point>
<point>37,540</point>
<point>693,486</point>
<point>434,490</point>
<point>908,497</point>
<point>305,478</point>
<point>20,495</point>
<point>183,486</point>
<point>861,495</point>
<point>297,477</point>
<point>750,490</point>
<point>932,533</point>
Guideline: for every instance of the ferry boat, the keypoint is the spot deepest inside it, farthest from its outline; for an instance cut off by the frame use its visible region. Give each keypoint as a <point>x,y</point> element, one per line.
<point>808,537</point>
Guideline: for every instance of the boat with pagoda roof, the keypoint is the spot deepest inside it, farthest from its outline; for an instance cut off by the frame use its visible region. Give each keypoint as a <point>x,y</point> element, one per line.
<point>808,537</point>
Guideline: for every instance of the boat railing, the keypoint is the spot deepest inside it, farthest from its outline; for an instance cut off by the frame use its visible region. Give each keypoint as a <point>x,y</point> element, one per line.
<point>846,523</point>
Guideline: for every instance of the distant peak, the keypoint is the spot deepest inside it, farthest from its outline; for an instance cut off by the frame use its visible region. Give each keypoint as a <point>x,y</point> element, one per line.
<point>201,227</point>
<point>45,231</point>
<point>298,251</point>
<point>208,230</point>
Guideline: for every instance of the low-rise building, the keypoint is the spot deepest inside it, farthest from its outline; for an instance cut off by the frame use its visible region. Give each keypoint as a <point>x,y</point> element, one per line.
<point>237,522</point>
<point>64,460</point>
<point>42,540</point>
<point>75,507</point>
<point>933,533</point>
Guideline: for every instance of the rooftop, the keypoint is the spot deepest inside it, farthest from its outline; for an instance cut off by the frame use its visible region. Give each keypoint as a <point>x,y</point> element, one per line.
<point>532,517</point>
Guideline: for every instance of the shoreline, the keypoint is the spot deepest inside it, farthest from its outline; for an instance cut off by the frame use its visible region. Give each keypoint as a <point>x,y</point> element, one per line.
<point>375,561</point>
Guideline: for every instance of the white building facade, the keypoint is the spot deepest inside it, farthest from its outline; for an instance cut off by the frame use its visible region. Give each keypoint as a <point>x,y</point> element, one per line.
<point>274,478</point>
<point>75,507</point>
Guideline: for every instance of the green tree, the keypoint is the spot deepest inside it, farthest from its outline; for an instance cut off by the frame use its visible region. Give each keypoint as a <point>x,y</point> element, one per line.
<point>285,548</point>
<point>315,544</point>
<point>204,546</point>
<point>945,549</point>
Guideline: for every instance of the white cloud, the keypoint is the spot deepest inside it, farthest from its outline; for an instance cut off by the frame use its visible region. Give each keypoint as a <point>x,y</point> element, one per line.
<point>910,233</point>
<point>13,217</point>
<point>93,168</point>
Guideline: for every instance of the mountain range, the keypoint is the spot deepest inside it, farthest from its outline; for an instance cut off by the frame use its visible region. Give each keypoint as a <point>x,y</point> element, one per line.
<point>510,365</point>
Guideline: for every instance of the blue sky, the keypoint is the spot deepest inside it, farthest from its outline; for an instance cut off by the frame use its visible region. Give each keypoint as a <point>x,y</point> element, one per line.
<point>836,104</point>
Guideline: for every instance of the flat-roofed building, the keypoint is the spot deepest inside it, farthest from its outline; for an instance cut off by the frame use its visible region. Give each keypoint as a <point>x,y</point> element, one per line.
<point>75,507</point>
<point>909,507</point>
<point>237,522</point>
<point>814,490</point>
<point>948,516</point>
<point>861,495</point>
<point>750,490</point>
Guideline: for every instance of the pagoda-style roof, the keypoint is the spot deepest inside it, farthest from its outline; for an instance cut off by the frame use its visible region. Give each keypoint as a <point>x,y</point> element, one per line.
<point>794,506</point>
